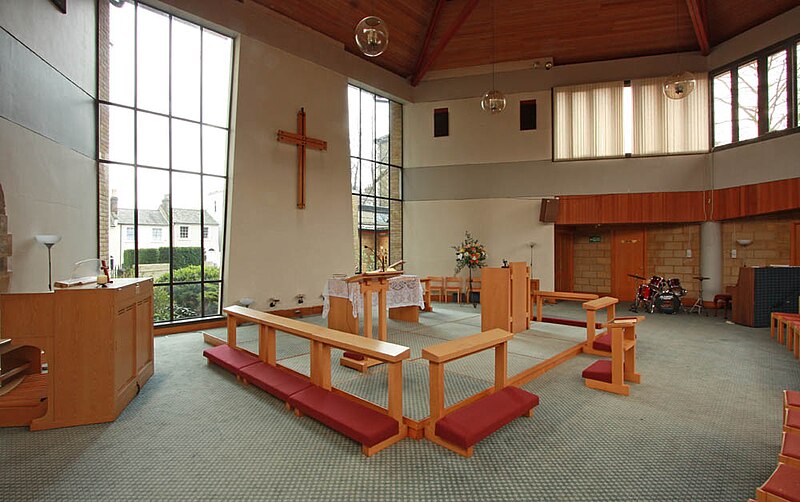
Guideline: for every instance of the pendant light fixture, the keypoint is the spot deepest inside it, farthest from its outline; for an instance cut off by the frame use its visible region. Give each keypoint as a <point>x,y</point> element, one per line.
<point>678,85</point>
<point>493,101</point>
<point>372,35</point>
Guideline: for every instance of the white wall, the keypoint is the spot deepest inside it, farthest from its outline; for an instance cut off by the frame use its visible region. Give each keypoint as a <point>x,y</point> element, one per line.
<point>275,249</point>
<point>49,186</point>
<point>475,136</point>
<point>505,226</point>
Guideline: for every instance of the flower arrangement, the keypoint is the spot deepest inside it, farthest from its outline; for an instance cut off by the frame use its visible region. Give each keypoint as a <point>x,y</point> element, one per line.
<point>470,254</point>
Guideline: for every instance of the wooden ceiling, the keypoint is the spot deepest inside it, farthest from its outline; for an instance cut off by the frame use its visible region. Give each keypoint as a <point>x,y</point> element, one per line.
<point>429,35</point>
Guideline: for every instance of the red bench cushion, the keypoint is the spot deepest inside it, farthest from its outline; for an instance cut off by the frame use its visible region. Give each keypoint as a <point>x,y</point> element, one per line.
<point>229,358</point>
<point>354,355</point>
<point>792,398</point>
<point>468,425</point>
<point>355,421</point>
<point>784,482</point>
<point>569,322</point>
<point>269,378</point>
<point>793,418</point>
<point>599,370</point>
<point>602,343</point>
<point>791,445</point>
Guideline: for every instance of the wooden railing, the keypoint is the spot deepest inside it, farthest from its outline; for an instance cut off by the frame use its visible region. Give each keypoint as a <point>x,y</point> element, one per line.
<point>539,296</point>
<point>322,339</point>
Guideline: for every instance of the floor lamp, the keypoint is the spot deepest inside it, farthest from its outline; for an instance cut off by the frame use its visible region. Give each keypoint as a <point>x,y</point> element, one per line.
<point>49,241</point>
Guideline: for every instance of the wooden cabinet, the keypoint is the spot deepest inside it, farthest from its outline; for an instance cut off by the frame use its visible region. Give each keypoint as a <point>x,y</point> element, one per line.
<point>505,298</point>
<point>763,290</point>
<point>98,343</point>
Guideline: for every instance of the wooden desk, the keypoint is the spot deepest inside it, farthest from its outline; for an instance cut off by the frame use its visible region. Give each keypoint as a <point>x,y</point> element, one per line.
<point>98,343</point>
<point>505,298</point>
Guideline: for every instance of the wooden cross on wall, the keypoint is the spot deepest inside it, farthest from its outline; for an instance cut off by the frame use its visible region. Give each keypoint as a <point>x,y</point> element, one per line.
<point>302,141</point>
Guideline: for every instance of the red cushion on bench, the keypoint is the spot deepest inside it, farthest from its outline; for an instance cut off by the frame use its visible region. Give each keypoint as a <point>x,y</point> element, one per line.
<point>569,322</point>
<point>599,370</point>
<point>229,358</point>
<point>792,398</point>
<point>468,425</point>
<point>355,421</point>
<point>354,355</point>
<point>793,418</point>
<point>602,343</point>
<point>791,445</point>
<point>269,378</point>
<point>784,482</point>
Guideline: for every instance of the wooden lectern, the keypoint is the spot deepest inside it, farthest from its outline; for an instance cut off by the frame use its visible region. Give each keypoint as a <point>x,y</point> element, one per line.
<point>505,298</point>
<point>371,282</point>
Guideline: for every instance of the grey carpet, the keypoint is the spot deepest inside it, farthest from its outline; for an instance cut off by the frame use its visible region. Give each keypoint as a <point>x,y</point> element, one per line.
<point>704,425</point>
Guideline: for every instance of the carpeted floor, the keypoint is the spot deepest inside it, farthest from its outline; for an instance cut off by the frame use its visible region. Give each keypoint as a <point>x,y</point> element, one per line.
<point>704,425</point>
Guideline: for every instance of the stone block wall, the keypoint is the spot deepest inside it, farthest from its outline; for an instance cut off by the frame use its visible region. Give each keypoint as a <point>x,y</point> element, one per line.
<point>771,243</point>
<point>667,254</point>
<point>591,261</point>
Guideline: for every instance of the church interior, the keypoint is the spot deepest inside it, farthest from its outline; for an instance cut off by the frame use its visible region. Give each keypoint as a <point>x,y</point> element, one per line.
<point>568,267</point>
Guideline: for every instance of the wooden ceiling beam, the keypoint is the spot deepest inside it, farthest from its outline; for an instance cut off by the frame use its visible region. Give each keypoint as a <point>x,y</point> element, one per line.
<point>697,11</point>
<point>428,36</point>
<point>437,51</point>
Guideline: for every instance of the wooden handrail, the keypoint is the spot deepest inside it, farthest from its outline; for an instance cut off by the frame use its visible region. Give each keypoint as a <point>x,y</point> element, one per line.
<point>376,349</point>
<point>600,303</point>
<point>461,347</point>
<point>563,295</point>
<point>539,295</point>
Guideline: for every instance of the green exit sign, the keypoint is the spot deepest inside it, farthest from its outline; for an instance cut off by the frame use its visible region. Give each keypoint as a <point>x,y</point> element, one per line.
<point>594,238</point>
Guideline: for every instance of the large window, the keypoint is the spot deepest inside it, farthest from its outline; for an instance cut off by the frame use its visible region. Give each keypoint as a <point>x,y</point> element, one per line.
<point>753,97</point>
<point>632,118</point>
<point>376,160</point>
<point>164,106</point>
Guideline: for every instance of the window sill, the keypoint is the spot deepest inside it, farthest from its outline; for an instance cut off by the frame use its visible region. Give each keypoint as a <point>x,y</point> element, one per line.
<point>765,137</point>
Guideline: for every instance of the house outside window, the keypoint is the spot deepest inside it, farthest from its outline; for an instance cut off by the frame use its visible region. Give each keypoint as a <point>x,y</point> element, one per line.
<point>130,234</point>
<point>205,232</point>
<point>157,235</point>
<point>183,232</point>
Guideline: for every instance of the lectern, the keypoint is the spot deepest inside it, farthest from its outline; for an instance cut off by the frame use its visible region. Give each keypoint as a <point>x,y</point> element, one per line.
<point>505,298</point>
<point>370,282</point>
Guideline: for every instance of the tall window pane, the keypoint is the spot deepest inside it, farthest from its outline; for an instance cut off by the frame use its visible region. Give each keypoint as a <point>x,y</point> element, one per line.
<point>376,137</point>
<point>777,92</point>
<point>748,100</point>
<point>723,99</point>
<point>164,154</point>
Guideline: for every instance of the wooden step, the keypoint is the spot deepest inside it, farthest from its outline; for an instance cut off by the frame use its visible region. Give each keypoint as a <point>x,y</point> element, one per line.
<point>24,403</point>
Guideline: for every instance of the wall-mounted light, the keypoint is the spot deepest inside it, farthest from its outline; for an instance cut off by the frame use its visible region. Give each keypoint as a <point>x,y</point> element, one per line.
<point>744,242</point>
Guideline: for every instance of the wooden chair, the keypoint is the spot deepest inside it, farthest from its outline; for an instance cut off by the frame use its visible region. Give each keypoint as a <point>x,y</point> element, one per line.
<point>436,285</point>
<point>453,285</point>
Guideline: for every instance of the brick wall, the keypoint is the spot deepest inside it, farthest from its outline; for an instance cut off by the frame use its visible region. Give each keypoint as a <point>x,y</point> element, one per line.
<point>5,244</point>
<point>102,169</point>
<point>771,243</point>
<point>666,254</point>
<point>591,261</point>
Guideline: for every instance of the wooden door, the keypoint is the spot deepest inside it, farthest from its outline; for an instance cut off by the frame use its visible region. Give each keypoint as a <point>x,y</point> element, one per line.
<point>627,258</point>
<point>795,244</point>
<point>563,259</point>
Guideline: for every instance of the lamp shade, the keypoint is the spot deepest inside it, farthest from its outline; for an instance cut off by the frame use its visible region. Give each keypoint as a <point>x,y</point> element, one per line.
<point>372,36</point>
<point>493,101</point>
<point>679,85</point>
<point>48,239</point>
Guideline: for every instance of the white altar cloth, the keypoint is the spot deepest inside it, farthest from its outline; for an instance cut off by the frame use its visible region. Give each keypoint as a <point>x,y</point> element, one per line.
<point>404,291</point>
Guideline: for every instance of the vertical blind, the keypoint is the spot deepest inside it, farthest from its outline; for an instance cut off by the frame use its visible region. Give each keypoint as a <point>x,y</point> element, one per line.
<point>588,121</point>
<point>664,126</point>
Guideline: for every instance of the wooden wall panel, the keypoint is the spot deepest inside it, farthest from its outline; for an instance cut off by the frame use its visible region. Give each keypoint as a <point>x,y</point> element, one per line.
<point>680,207</point>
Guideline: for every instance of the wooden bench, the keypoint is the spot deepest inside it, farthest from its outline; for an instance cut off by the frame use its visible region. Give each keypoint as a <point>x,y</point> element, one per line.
<point>374,427</point>
<point>611,375</point>
<point>779,323</point>
<point>592,307</point>
<point>461,426</point>
<point>23,386</point>
<point>538,297</point>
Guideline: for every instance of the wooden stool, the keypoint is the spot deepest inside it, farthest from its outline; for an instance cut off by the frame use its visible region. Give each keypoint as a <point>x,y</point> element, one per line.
<point>725,300</point>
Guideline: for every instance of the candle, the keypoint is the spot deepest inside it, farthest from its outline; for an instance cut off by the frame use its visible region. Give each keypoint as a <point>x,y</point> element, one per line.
<point>102,279</point>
